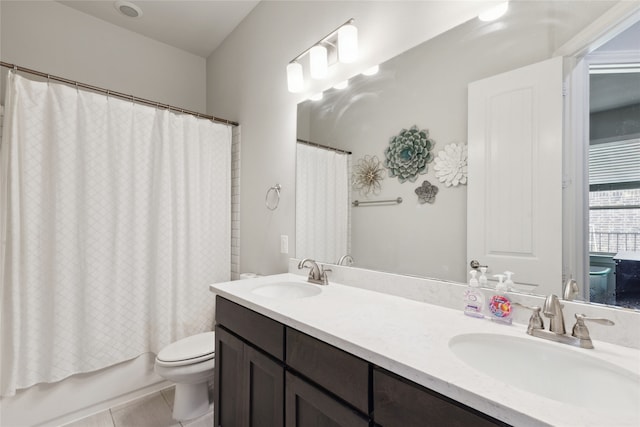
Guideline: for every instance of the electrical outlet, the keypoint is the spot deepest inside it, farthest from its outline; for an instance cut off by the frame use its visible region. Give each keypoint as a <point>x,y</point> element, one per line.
<point>284,244</point>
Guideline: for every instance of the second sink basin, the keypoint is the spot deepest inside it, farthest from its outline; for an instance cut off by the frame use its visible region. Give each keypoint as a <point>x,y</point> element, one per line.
<point>287,290</point>
<point>551,371</point>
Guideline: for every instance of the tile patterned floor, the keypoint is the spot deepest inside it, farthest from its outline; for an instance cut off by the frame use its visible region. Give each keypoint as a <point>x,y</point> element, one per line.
<point>148,411</point>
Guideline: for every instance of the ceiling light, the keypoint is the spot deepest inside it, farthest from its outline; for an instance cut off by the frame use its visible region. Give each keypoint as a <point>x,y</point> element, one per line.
<point>371,71</point>
<point>347,43</point>
<point>295,79</point>
<point>128,9</point>
<point>495,12</point>
<point>339,45</point>
<point>342,85</point>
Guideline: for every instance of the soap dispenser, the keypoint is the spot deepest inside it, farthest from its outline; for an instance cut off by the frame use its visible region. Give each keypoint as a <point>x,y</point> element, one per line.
<point>483,277</point>
<point>509,282</point>
<point>499,304</point>
<point>473,298</point>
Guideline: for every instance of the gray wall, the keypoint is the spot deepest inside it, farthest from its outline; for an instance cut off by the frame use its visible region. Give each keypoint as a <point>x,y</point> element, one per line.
<point>50,37</point>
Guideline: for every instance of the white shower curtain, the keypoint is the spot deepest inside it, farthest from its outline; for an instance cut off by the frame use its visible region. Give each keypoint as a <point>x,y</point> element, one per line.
<point>323,203</point>
<point>115,218</point>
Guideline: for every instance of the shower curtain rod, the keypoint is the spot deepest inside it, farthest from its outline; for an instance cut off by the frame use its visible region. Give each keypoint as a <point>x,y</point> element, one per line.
<point>117,94</point>
<point>326,147</point>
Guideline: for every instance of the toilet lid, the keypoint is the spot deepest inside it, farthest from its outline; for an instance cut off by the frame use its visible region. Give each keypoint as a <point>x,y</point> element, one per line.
<point>193,347</point>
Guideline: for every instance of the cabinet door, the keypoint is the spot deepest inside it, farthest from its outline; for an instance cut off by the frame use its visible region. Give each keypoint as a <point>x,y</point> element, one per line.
<point>228,397</point>
<point>341,373</point>
<point>400,403</point>
<point>261,331</point>
<point>307,406</point>
<point>264,390</point>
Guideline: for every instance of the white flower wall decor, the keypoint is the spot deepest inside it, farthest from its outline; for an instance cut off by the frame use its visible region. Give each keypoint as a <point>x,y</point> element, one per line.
<point>451,165</point>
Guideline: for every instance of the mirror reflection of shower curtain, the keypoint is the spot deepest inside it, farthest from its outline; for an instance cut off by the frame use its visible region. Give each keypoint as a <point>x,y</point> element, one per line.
<point>323,204</point>
<point>115,219</point>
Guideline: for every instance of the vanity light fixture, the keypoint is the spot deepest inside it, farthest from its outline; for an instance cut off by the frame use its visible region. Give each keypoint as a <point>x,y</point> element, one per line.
<point>371,71</point>
<point>495,12</point>
<point>348,43</point>
<point>318,62</point>
<point>339,45</point>
<point>295,79</point>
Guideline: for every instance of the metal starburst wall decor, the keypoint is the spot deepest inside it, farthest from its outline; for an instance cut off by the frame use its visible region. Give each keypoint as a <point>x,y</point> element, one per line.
<point>367,175</point>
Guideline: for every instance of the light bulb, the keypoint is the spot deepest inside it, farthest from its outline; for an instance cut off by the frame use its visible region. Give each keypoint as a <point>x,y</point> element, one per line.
<point>295,79</point>
<point>341,85</point>
<point>347,43</point>
<point>495,12</point>
<point>318,62</point>
<point>371,71</point>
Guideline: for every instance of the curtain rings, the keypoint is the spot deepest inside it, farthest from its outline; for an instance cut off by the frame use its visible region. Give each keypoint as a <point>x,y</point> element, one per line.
<point>275,190</point>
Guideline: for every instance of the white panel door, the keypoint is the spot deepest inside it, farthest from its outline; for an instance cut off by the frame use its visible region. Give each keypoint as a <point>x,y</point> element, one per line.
<point>514,202</point>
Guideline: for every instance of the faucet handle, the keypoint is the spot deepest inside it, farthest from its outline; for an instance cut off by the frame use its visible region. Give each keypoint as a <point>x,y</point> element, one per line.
<point>580,318</point>
<point>581,331</point>
<point>323,274</point>
<point>535,321</point>
<point>571,290</point>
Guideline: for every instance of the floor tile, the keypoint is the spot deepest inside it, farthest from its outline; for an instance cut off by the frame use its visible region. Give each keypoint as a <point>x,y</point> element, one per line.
<point>101,419</point>
<point>169,394</point>
<point>203,421</point>
<point>149,411</point>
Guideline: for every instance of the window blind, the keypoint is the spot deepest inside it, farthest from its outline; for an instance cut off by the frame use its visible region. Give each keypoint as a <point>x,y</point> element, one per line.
<point>614,162</point>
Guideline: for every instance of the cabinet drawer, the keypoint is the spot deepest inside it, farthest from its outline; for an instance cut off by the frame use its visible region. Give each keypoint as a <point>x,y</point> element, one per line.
<point>259,330</point>
<point>343,374</point>
<point>307,406</point>
<point>399,402</point>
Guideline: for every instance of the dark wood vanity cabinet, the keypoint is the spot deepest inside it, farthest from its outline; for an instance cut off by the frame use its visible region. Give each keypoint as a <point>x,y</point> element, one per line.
<point>249,383</point>
<point>399,402</point>
<point>268,374</point>
<point>342,374</point>
<point>308,406</point>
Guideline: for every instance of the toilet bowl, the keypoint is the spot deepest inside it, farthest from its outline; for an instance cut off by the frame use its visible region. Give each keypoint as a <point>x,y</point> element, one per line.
<point>189,363</point>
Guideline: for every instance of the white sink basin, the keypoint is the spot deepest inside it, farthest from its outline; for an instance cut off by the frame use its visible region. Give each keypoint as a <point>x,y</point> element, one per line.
<point>287,290</point>
<point>565,375</point>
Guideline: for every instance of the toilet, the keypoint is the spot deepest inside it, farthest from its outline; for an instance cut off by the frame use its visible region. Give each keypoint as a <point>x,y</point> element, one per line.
<point>189,363</point>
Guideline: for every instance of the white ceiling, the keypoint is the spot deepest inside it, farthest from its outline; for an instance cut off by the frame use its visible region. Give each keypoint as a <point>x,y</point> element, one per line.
<point>194,26</point>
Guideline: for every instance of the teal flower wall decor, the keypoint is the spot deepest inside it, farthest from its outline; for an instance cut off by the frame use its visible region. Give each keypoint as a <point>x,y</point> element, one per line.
<point>427,192</point>
<point>408,154</point>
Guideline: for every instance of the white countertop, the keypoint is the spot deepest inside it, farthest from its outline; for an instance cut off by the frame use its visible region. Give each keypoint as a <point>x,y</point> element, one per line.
<point>411,339</point>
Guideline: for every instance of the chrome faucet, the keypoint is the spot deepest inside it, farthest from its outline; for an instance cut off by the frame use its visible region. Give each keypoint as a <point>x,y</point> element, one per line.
<point>317,274</point>
<point>346,258</point>
<point>553,310</point>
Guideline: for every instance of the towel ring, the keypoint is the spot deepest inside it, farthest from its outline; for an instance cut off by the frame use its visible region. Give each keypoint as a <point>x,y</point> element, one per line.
<point>277,189</point>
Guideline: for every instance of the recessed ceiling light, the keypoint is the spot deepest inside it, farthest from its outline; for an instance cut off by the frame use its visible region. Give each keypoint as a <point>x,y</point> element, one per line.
<point>128,9</point>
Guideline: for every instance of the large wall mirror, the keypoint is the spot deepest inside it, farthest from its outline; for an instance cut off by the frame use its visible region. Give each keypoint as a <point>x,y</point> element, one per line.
<point>416,224</point>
